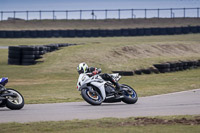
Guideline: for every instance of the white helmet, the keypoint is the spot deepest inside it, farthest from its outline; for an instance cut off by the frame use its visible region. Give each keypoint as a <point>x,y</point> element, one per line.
<point>82,68</point>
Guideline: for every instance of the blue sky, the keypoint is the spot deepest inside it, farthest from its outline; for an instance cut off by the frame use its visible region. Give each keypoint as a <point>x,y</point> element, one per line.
<point>10,5</point>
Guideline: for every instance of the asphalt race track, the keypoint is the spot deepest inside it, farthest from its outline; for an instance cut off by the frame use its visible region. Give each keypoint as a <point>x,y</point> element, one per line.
<point>3,47</point>
<point>180,103</point>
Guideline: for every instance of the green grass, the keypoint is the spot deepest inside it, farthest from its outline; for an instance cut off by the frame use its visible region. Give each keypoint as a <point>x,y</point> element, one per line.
<point>125,125</point>
<point>55,79</point>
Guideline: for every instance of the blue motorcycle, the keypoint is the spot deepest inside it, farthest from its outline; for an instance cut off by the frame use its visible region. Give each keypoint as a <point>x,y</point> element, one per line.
<point>10,98</point>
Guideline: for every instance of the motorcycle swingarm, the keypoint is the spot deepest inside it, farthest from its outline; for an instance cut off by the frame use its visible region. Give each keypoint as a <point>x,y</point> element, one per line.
<point>8,94</point>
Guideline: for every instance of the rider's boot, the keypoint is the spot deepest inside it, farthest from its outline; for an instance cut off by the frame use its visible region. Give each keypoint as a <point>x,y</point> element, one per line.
<point>118,87</point>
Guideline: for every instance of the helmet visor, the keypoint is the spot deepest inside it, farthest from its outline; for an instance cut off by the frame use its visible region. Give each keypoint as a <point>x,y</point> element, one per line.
<point>80,70</point>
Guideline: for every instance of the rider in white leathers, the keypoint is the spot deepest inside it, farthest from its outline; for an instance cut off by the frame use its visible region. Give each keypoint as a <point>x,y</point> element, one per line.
<point>91,71</point>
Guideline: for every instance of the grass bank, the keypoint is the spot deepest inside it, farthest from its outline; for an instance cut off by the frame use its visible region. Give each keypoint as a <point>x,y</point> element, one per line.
<point>97,24</point>
<point>55,79</point>
<point>172,124</point>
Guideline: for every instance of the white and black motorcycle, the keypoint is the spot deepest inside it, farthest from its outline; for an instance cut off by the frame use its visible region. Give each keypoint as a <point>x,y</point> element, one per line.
<point>96,90</point>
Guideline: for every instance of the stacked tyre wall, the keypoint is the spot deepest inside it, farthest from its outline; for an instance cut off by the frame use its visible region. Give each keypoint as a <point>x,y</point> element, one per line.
<point>28,55</point>
<point>163,68</point>
<point>100,32</point>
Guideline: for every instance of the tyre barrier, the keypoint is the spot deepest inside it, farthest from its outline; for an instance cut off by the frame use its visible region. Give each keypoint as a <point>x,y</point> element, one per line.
<point>28,55</point>
<point>120,33</point>
<point>163,68</point>
<point>3,34</point>
<point>146,71</point>
<point>138,72</point>
<point>147,31</point>
<point>100,32</point>
<point>124,73</point>
<point>177,66</point>
<point>14,55</point>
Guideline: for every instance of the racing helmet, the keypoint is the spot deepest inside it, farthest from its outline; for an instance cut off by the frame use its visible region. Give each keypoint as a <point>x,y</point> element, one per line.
<point>82,68</point>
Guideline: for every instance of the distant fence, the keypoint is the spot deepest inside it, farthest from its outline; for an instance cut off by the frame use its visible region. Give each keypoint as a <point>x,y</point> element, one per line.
<point>99,32</point>
<point>101,14</point>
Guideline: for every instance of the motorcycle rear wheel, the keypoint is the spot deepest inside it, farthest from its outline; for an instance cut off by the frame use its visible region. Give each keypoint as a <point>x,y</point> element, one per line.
<point>15,103</point>
<point>130,97</point>
<point>93,99</point>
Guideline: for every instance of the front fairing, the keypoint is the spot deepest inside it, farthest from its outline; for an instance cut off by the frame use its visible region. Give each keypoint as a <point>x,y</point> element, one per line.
<point>83,79</point>
<point>95,80</point>
<point>101,87</point>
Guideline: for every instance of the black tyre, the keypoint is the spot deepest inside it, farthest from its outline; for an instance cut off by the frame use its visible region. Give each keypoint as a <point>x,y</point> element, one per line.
<point>28,52</point>
<point>36,52</point>
<point>130,95</point>
<point>28,62</point>
<point>154,70</point>
<point>164,70</point>
<point>138,72</point>
<point>28,48</point>
<point>120,72</point>
<point>15,103</point>
<point>198,64</point>
<point>41,48</point>
<point>162,66</point>
<point>124,73</point>
<point>127,73</point>
<point>41,52</point>
<point>18,52</point>
<point>2,103</point>
<point>14,48</point>
<point>93,99</point>
<point>102,33</point>
<point>14,56</point>
<point>87,33</point>
<point>28,56</point>
<point>38,57</point>
<point>12,61</point>
<point>146,71</point>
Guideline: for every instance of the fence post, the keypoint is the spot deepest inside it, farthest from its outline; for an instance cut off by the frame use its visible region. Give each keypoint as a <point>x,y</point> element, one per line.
<point>145,13</point>
<point>132,13</point>
<point>40,15</point>
<point>80,14</point>
<point>53,15</point>
<point>198,12</point>
<point>1,15</point>
<point>66,15</point>
<point>92,14</point>
<point>26,15</point>
<point>184,12</point>
<point>14,14</point>
<point>158,13</point>
<point>171,12</point>
<point>118,13</point>
<point>105,14</point>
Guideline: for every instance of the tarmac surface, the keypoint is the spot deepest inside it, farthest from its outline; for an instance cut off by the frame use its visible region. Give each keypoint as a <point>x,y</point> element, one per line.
<point>179,103</point>
<point>3,47</point>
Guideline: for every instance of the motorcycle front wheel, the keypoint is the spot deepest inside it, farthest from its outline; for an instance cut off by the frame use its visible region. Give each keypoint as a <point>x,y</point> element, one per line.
<point>14,103</point>
<point>130,95</point>
<point>91,98</point>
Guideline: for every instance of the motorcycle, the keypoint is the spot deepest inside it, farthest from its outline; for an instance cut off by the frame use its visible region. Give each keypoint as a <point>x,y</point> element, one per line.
<point>95,90</point>
<point>10,98</point>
